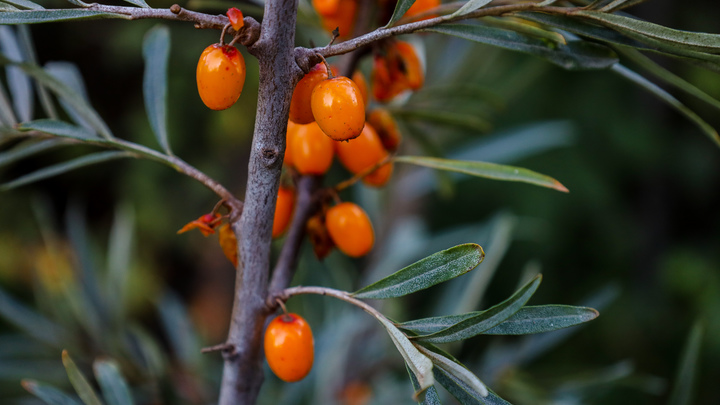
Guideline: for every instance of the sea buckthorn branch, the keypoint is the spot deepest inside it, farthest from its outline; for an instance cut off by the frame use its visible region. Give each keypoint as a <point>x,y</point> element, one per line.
<point>249,33</point>
<point>383,33</point>
<point>307,205</point>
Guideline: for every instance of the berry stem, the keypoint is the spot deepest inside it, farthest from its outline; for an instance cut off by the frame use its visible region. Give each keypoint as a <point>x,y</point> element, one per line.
<point>222,34</point>
<point>327,66</point>
<point>354,179</point>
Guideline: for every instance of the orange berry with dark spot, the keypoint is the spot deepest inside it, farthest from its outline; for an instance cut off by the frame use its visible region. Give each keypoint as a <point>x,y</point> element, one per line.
<point>386,128</point>
<point>312,151</point>
<point>361,153</point>
<point>409,64</point>
<point>284,207</point>
<point>350,229</point>
<point>338,108</point>
<point>289,347</point>
<point>220,76</point>
<point>300,110</point>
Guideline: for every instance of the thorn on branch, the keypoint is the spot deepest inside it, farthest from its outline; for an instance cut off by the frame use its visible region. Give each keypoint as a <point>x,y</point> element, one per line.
<point>222,347</point>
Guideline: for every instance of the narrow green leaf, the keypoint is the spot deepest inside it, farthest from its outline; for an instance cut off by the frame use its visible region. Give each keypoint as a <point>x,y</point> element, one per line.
<point>427,272</point>
<point>25,4</point>
<point>544,318</point>
<point>7,115</point>
<point>26,150</point>
<point>523,27</point>
<point>114,387</point>
<point>61,168</point>
<point>682,393</point>
<point>118,261</point>
<point>456,369</point>
<point>463,393</point>
<point>59,128</point>
<point>667,76</point>
<point>18,82</point>
<point>485,320</point>
<point>28,46</point>
<point>49,395</point>
<point>156,50</point>
<point>484,169</point>
<point>470,6</point>
<point>43,16</point>
<point>619,5</point>
<point>427,326</point>
<point>139,3</point>
<point>30,321</point>
<point>418,363</point>
<point>669,99</point>
<point>401,8</point>
<point>640,29</point>
<point>472,122</point>
<point>79,382</point>
<point>431,396</point>
<point>176,323</point>
<point>576,55</point>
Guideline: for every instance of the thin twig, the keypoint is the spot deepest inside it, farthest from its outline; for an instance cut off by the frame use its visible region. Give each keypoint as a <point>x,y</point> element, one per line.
<point>359,176</point>
<point>341,295</point>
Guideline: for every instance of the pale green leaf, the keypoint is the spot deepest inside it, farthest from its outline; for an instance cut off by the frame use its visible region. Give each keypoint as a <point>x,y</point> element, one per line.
<point>640,29</point>
<point>401,8</point>
<point>434,269</point>
<point>419,364</point>
<point>61,168</point>
<point>667,76</point>
<point>120,252</point>
<point>685,379</point>
<point>156,50</point>
<point>616,5</point>
<point>669,99</point>
<point>18,82</point>
<point>43,16</point>
<point>544,318</point>
<point>576,55</point>
<point>49,395</point>
<point>25,4</point>
<point>30,322</point>
<point>429,396</point>
<point>59,128</point>
<point>114,388</point>
<point>27,149</point>
<point>7,115</point>
<point>456,369</point>
<point>485,169</point>
<point>470,6</point>
<point>83,388</point>
<point>69,74</point>
<point>464,393</point>
<point>485,320</point>
<point>27,44</point>
<point>524,28</point>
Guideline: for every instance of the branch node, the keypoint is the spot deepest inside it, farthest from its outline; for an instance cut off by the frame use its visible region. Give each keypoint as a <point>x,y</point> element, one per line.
<point>175,9</point>
<point>270,157</point>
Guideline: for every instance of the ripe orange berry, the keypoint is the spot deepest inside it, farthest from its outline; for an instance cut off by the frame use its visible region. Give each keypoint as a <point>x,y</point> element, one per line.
<point>220,76</point>
<point>300,111</point>
<point>396,70</point>
<point>421,6</point>
<point>289,347</point>
<point>236,18</point>
<point>362,153</point>
<point>312,152</point>
<point>409,64</point>
<point>343,18</point>
<point>326,7</point>
<point>350,229</point>
<point>284,207</point>
<point>338,108</point>
<point>359,79</point>
<point>386,128</point>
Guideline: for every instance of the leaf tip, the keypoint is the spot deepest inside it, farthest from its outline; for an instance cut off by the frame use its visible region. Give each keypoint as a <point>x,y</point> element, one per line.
<point>560,187</point>
<point>28,385</point>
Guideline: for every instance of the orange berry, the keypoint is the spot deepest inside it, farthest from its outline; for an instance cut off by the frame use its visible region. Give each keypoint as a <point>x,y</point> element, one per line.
<point>338,108</point>
<point>363,152</point>
<point>359,79</point>
<point>350,229</point>
<point>312,152</point>
<point>387,129</point>
<point>421,6</point>
<point>290,134</point>
<point>409,64</point>
<point>236,18</point>
<point>220,76</point>
<point>289,347</point>
<point>396,70</point>
<point>326,7</point>
<point>300,111</point>
<point>284,207</point>
<point>343,18</point>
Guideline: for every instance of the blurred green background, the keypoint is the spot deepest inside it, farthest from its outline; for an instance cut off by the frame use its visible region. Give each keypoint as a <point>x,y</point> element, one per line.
<point>638,234</point>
